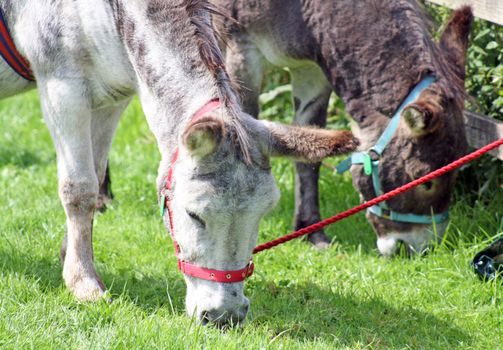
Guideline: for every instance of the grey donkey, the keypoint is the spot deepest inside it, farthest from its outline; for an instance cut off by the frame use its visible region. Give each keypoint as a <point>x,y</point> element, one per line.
<point>372,54</point>
<point>89,57</point>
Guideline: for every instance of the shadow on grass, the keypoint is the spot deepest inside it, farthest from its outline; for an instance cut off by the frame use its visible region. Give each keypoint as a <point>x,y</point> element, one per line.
<point>19,157</point>
<point>146,292</point>
<point>303,312</point>
<point>46,270</point>
<point>308,312</point>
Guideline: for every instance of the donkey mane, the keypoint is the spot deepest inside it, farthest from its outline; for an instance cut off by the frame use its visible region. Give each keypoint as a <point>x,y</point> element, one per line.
<point>453,84</point>
<point>211,55</point>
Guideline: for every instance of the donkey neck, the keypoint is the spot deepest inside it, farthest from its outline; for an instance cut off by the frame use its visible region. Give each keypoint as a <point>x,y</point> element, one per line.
<point>178,67</point>
<point>172,80</point>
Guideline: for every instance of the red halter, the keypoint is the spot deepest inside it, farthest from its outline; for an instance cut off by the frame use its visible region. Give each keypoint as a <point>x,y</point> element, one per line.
<point>223,276</point>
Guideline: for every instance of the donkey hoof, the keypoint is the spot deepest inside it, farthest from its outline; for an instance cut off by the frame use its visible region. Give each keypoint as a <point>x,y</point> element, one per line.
<point>319,240</point>
<point>89,289</point>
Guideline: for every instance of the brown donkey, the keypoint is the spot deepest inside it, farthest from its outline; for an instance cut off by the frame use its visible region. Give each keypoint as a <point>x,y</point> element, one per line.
<point>372,54</point>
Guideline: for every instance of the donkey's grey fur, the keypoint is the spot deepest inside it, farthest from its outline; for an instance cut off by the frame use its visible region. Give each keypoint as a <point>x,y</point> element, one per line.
<point>371,53</point>
<point>89,57</point>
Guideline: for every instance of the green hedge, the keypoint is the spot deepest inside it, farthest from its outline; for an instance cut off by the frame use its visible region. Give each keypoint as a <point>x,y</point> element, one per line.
<point>485,63</point>
<point>480,180</point>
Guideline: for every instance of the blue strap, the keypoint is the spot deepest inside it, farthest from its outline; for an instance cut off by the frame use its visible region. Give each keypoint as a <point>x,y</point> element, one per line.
<point>371,168</point>
<point>387,135</point>
<point>377,184</point>
<point>355,158</point>
<point>390,130</point>
<point>410,218</point>
<point>345,165</point>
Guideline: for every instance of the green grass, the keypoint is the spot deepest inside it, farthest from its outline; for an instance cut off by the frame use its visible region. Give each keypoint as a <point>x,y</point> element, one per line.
<point>346,297</point>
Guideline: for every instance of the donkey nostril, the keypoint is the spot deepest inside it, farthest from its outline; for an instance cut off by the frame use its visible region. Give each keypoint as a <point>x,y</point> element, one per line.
<point>204,318</point>
<point>212,315</point>
<point>224,318</point>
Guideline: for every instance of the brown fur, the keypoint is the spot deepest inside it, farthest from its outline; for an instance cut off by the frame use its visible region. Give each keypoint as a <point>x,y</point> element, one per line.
<point>311,144</point>
<point>429,108</point>
<point>458,27</point>
<point>372,54</point>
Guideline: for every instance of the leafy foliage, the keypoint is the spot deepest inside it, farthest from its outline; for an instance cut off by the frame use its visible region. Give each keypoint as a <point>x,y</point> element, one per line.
<point>484,65</point>
<point>485,68</point>
<point>484,82</point>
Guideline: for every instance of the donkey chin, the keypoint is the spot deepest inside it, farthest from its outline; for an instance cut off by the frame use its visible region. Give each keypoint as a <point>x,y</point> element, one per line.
<point>418,240</point>
<point>222,304</point>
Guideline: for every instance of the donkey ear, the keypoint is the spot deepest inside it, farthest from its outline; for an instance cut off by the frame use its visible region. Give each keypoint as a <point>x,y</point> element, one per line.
<point>421,119</point>
<point>203,136</point>
<point>454,39</point>
<point>306,144</point>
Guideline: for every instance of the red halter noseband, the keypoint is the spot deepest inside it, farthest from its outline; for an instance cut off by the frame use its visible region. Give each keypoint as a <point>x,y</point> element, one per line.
<point>222,276</point>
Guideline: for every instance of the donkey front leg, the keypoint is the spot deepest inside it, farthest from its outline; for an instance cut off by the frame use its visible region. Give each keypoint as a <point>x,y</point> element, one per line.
<point>68,117</point>
<point>311,93</point>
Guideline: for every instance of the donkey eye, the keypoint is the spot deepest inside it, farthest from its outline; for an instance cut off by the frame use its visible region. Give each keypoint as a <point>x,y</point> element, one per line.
<point>427,185</point>
<point>196,218</point>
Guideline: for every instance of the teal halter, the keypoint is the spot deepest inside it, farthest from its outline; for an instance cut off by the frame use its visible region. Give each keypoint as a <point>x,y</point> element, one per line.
<point>371,167</point>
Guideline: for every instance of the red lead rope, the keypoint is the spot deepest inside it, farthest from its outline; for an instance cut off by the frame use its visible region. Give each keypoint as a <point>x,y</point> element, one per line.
<point>318,226</point>
<point>231,276</point>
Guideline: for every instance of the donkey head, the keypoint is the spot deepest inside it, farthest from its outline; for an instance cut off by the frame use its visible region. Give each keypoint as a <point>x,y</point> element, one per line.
<point>431,134</point>
<point>220,193</point>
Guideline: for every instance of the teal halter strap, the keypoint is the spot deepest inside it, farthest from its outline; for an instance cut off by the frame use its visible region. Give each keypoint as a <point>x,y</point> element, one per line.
<point>371,167</point>
<point>411,218</point>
